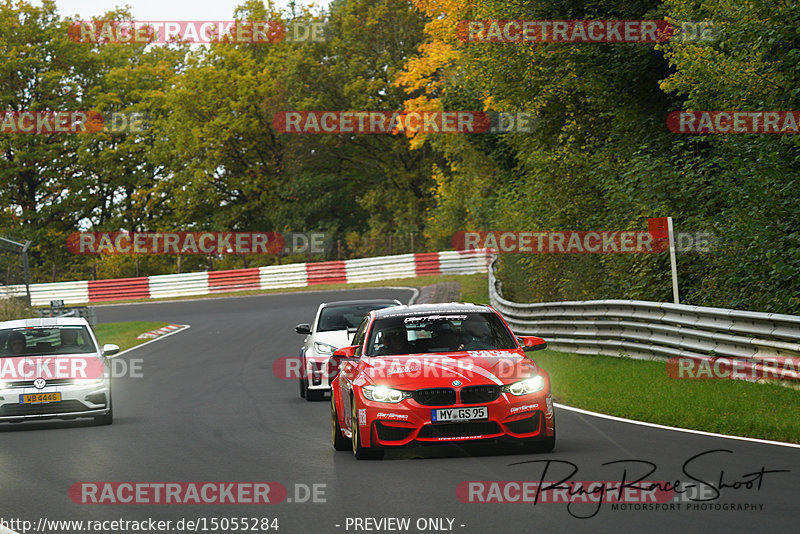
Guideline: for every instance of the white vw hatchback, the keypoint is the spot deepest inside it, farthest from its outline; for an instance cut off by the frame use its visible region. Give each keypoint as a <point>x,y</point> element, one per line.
<point>334,324</point>
<point>53,368</point>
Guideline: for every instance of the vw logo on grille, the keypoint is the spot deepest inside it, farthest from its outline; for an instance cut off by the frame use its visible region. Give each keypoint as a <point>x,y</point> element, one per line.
<point>456,382</point>
<point>39,383</point>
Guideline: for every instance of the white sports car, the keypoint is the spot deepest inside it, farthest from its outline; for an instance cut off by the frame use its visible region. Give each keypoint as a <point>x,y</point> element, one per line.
<point>333,327</point>
<point>53,368</point>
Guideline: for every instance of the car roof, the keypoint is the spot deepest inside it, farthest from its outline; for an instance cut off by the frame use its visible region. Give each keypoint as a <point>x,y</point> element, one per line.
<point>44,322</point>
<point>358,302</point>
<point>448,307</point>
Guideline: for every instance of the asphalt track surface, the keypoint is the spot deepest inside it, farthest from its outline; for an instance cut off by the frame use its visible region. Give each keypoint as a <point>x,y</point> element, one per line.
<point>209,408</point>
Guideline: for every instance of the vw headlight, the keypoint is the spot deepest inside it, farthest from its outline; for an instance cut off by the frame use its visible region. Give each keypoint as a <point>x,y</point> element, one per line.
<point>384,394</point>
<point>323,348</point>
<point>87,381</point>
<point>526,387</point>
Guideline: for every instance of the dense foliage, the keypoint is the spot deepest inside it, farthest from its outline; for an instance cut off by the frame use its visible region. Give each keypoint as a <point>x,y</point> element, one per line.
<point>600,158</point>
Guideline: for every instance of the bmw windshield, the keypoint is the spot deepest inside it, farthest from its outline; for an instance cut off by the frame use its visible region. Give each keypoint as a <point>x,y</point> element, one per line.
<point>438,332</point>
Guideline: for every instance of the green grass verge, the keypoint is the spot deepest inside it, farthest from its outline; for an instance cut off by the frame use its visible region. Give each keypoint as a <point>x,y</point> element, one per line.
<point>124,334</point>
<point>14,308</point>
<point>641,390</point>
<point>474,288</point>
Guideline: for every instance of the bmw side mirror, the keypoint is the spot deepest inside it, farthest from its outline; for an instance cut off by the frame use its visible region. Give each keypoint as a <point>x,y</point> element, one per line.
<point>303,329</point>
<point>110,349</point>
<point>531,343</point>
<point>344,353</point>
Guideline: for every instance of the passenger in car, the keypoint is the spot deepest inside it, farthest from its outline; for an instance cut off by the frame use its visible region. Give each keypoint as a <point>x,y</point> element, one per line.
<point>394,342</point>
<point>479,335</point>
<point>16,343</point>
<point>69,338</point>
<point>446,339</point>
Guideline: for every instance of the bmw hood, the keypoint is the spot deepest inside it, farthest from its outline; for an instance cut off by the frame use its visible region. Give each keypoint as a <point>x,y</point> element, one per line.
<point>419,371</point>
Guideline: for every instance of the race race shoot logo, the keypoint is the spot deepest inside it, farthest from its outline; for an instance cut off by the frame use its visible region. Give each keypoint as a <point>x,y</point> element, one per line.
<point>734,122</point>
<point>175,243</point>
<point>403,122</point>
<point>193,31</point>
<point>684,368</point>
<point>584,31</point>
<point>70,122</point>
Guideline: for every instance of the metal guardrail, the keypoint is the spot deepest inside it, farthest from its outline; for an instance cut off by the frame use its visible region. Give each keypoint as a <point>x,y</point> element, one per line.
<point>87,312</point>
<point>654,330</point>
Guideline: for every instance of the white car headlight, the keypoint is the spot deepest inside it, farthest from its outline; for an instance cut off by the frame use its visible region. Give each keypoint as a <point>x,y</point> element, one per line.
<point>3,385</point>
<point>323,348</point>
<point>526,387</point>
<point>384,394</point>
<point>87,381</point>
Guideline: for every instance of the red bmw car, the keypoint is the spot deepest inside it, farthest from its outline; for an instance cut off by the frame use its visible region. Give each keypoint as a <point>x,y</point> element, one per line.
<point>437,373</point>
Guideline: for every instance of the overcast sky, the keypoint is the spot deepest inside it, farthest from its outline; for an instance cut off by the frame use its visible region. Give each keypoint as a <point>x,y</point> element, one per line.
<point>164,9</point>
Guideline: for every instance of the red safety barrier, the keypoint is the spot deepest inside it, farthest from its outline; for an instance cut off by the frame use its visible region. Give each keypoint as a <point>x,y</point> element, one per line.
<point>327,272</point>
<point>119,289</point>
<point>427,264</point>
<point>236,280</point>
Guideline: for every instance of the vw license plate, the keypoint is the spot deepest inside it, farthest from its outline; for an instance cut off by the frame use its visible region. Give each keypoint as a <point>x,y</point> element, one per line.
<point>37,398</point>
<point>459,414</point>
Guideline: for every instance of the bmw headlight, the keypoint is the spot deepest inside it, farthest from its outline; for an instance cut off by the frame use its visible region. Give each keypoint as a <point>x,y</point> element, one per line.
<point>526,387</point>
<point>323,348</point>
<point>384,394</point>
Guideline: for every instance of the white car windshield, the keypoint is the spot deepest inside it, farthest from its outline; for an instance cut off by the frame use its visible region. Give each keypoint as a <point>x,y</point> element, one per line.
<point>50,340</point>
<point>342,317</point>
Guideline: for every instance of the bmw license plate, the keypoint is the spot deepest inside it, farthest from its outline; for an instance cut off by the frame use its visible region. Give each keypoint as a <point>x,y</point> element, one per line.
<point>37,398</point>
<point>472,413</point>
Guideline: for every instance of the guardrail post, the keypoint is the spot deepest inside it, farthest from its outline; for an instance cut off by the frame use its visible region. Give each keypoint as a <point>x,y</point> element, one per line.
<point>672,261</point>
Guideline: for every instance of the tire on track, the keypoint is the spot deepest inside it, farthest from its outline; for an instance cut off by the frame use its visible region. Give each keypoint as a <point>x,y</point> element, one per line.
<point>340,442</point>
<point>359,451</point>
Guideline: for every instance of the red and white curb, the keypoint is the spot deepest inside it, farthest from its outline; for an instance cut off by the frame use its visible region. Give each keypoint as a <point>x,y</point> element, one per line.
<point>401,266</point>
<point>164,330</point>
